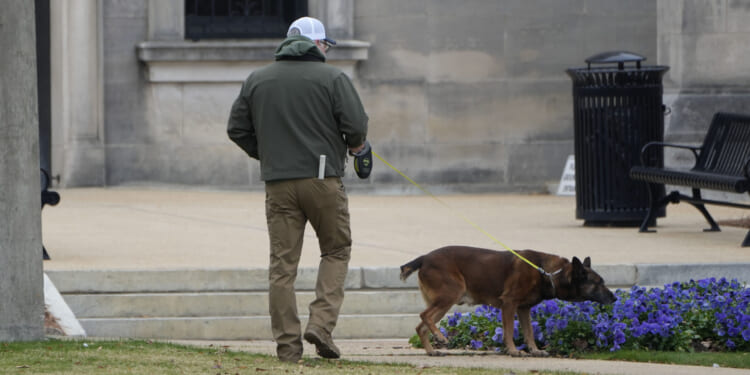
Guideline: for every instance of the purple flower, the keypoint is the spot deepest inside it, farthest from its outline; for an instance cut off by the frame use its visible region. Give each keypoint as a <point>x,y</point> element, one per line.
<point>730,344</point>
<point>561,324</point>
<point>619,337</point>
<point>656,318</point>
<point>538,334</point>
<point>498,337</point>
<point>453,320</point>
<point>733,331</point>
<point>476,344</point>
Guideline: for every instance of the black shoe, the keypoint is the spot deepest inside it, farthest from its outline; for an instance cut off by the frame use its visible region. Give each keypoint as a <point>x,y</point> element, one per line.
<point>323,342</point>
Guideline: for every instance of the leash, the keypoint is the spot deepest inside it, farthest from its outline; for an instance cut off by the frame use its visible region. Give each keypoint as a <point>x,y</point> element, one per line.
<point>475,225</point>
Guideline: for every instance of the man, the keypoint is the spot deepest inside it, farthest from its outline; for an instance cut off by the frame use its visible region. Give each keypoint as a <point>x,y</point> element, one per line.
<point>298,116</point>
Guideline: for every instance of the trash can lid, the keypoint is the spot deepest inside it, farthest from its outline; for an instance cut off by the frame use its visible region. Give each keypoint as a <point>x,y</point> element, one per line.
<point>619,57</point>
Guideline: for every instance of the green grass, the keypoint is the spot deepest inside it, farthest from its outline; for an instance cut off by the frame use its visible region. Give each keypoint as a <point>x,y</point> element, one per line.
<point>734,359</point>
<point>144,357</point>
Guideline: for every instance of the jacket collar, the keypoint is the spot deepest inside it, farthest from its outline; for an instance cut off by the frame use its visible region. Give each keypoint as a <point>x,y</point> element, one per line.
<point>299,48</point>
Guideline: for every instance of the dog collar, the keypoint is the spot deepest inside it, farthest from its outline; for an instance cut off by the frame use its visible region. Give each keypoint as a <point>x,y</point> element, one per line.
<point>551,279</point>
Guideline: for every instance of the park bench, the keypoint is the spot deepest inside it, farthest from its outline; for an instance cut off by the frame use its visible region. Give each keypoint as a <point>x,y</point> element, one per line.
<point>721,163</point>
<point>49,197</point>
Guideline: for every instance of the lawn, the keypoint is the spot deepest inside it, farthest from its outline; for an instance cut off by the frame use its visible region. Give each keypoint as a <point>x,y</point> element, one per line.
<point>708,359</point>
<point>55,356</point>
<point>146,357</point>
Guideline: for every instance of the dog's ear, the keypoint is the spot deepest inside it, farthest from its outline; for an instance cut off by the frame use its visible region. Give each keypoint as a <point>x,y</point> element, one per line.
<point>579,273</point>
<point>587,262</point>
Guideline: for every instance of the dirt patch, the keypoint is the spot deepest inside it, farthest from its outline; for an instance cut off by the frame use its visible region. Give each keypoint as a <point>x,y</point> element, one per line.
<point>51,327</point>
<point>741,223</point>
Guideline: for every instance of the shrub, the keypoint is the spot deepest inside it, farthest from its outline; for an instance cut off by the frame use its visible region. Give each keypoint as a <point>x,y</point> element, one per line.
<point>706,314</point>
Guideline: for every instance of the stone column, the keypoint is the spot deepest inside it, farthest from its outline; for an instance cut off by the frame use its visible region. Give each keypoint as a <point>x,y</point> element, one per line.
<point>705,44</point>
<point>77,93</point>
<point>166,20</point>
<point>21,283</point>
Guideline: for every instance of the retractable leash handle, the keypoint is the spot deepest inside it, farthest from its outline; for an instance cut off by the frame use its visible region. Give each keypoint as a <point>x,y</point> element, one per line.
<point>462,216</point>
<point>363,161</point>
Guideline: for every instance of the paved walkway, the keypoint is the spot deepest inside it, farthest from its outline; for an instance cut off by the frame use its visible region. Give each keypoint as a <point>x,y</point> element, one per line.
<point>149,228</point>
<point>128,228</point>
<point>398,351</point>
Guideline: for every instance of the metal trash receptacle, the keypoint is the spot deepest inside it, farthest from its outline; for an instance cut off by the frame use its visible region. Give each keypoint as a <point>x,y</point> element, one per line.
<point>617,110</point>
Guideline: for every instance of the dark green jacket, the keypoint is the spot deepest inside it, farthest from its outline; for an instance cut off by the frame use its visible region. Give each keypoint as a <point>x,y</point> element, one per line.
<point>292,111</point>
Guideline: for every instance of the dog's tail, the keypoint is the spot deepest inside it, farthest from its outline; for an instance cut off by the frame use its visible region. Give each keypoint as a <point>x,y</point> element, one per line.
<point>408,268</point>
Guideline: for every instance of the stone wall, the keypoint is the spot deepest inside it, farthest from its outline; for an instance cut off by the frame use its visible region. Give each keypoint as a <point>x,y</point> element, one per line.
<point>130,139</point>
<point>705,43</point>
<point>462,96</point>
<point>79,151</point>
<point>474,97</point>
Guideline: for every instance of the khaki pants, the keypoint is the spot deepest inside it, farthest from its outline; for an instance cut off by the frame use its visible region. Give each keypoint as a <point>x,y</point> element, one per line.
<point>289,205</point>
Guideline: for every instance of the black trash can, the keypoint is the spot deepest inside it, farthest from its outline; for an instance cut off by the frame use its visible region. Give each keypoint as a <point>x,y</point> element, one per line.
<point>617,110</point>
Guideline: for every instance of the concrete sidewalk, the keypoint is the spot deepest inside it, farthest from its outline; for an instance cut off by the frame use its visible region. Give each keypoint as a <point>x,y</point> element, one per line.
<point>139,228</point>
<point>151,229</point>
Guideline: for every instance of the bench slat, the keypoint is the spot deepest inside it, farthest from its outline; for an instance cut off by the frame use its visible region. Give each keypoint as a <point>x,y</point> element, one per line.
<point>727,145</point>
<point>691,178</point>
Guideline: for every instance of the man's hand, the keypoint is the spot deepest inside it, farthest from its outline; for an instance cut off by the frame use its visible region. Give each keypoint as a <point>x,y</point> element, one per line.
<point>355,150</point>
<point>362,159</point>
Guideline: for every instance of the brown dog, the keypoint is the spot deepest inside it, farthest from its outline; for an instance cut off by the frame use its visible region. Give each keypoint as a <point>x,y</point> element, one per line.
<point>466,275</point>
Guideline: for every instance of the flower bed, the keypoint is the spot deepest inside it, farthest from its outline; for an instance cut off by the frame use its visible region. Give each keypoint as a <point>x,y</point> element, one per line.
<point>706,314</point>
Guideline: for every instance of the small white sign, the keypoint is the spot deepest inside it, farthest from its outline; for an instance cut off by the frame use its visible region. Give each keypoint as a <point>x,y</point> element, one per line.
<point>568,180</point>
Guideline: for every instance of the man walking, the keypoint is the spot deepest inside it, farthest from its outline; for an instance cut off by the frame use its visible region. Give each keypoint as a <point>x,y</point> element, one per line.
<point>298,116</point>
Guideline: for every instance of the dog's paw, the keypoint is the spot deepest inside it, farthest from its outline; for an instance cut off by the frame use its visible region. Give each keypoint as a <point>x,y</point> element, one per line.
<point>517,353</point>
<point>539,353</point>
<point>436,353</point>
<point>440,344</point>
<point>441,341</point>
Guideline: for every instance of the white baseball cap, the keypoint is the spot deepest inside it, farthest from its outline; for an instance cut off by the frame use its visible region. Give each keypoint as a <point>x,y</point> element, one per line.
<point>309,27</point>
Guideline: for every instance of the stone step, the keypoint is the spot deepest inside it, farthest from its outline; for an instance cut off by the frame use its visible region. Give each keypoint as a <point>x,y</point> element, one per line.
<point>246,328</point>
<point>219,304</point>
<point>212,280</point>
<point>231,304</point>
<point>256,279</point>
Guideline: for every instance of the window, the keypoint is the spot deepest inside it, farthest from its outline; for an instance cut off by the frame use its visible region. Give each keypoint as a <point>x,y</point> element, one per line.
<point>223,19</point>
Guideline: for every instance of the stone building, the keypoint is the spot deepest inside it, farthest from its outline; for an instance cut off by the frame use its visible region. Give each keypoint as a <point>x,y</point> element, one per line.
<point>462,95</point>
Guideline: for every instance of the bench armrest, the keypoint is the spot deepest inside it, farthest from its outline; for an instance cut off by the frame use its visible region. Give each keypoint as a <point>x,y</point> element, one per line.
<point>694,149</point>
<point>745,168</point>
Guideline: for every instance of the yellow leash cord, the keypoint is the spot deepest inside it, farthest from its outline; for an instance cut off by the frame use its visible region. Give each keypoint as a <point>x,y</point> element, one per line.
<point>462,216</point>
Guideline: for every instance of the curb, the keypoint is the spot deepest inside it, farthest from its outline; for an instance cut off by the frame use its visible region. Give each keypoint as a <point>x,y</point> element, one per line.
<point>256,279</point>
